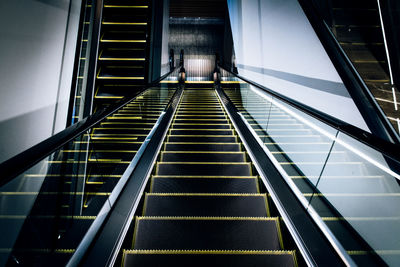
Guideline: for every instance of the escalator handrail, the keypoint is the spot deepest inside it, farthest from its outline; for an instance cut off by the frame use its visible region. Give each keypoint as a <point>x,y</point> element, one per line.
<point>385,147</point>
<point>16,165</point>
<point>360,92</point>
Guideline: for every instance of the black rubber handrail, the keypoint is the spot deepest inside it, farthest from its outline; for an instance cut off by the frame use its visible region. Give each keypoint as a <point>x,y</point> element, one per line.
<point>385,147</point>
<point>23,161</point>
<point>358,90</point>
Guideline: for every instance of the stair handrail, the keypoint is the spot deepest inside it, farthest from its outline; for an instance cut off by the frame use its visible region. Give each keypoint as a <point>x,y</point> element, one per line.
<point>387,148</point>
<point>16,165</point>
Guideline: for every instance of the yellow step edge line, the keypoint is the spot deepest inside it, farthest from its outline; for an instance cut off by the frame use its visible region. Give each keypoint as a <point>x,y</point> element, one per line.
<point>208,124</point>
<point>122,59</point>
<point>169,82</point>
<point>200,82</point>
<point>233,82</point>
<point>122,128</point>
<point>118,6</point>
<point>48,217</point>
<point>204,163</point>
<point>123,23</point>
<point>209,194</point>
<point>202,176</point>
<point>218,131</point>
<point>73,175</point>
<point>107,142</point>
<point>53,193</point>
<point>205,218</point>
<point>122,41</point>
<point>188,135</point>
<point>203,152</point>
<point>119,78</point>
<point>206,252</point>
<point>200,143</point>
<point>75,162</point>
<point>38,250</point>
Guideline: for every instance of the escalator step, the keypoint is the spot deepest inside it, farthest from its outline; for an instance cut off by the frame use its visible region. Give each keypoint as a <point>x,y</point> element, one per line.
<point>201,184</point>
<point>201,132</point>
<point>215,205</point>
<point>203,138</point>
<point>178,146</point>
<point>210,233</point>
<point>204,168</point>
<point>199,156</point>
<point>203,258</point>
<point>200,126</point>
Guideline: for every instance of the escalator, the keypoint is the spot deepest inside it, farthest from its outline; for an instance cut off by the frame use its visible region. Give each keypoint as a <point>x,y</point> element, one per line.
<point>122,50</point>
<point>357,27</point>
<point>204,202</point>
<point>197,173</point>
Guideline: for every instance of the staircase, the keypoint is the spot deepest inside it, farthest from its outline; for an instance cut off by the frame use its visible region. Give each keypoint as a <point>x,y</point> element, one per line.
<point>204,204</point>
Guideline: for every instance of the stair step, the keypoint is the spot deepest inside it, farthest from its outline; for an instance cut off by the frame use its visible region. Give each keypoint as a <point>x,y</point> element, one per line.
<point>178,146</point>
<point>203,168</point>
<point>203,138</point>
<point>201,131</point>
<point>202,156</point>
<point>214,205</point>
<point>203,184</point>
<point>209,233</point>
<point>194,126</point>
<point>202,258</point>
<point>123,54</point>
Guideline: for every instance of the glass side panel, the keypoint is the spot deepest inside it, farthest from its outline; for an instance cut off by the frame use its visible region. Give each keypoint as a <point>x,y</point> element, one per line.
<point>46,211</point>
<point>353,188</point>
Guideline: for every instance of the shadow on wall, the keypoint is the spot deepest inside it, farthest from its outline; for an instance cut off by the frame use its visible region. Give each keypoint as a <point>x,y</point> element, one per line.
<point>24,129</point>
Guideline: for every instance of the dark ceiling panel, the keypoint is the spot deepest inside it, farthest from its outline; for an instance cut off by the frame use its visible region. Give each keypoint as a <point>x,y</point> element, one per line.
<point>198,8</point>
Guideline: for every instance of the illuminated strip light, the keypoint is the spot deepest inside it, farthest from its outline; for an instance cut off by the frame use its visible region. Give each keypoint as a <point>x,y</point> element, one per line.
<point>327,134</point>
<point>388,56</point>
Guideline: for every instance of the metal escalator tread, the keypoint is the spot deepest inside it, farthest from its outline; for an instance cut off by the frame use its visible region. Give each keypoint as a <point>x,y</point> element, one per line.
<point>207,233</point>
<point>201,258</point>
<point>203,204</point>
<point>200,204</point>
<point>204,184</point>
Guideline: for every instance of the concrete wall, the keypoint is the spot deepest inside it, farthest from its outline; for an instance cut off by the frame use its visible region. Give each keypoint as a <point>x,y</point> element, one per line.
<point>37,49</point>
<point>276,46</point>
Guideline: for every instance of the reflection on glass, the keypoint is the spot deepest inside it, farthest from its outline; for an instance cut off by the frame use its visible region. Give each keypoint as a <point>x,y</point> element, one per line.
<point>352,187</point>
<point>46,211</point>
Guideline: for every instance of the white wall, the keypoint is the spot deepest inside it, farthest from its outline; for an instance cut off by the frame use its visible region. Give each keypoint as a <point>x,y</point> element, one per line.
<point>36,35</point>
<point>276,46</point>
